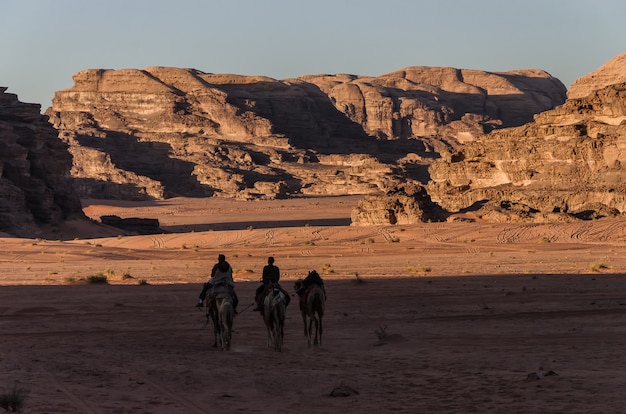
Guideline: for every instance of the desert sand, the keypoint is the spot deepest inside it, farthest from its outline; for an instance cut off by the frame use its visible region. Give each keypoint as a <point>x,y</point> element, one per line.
<point>452,317</point>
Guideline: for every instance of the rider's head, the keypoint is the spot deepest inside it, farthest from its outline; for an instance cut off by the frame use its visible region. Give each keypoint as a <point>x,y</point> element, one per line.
<point>270,260</point>
<point>221,258</point>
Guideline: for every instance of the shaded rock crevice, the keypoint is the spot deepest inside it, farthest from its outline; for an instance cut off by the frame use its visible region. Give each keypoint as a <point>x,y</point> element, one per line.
<point>35,183</point>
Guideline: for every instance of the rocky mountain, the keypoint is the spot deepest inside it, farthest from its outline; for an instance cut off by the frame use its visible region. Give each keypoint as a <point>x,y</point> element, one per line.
<point>612,72</point>
<point>35,182</point>
<point>161,132</point>
<point>567,164</point>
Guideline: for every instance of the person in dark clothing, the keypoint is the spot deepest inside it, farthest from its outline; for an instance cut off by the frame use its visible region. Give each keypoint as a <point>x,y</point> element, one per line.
<point>222,272</point>
<point>313,278</point>
<point>271,276</point>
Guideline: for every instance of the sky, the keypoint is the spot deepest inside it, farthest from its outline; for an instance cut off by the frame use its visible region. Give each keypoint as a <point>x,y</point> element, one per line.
<point>44,42</point>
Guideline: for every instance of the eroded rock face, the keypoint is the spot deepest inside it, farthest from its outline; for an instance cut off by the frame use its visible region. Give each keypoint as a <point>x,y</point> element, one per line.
<point>407,204</point>
<point>567,164</point>
<point>611,73</point>
<point>161,132</point>
<point>35,185</point>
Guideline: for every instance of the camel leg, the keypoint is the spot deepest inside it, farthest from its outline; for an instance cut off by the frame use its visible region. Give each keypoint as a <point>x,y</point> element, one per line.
<point>304,324</point>
<point>320,329</point>
<point>310,331</point>
<point>317,328</point>
<point>269,336</point>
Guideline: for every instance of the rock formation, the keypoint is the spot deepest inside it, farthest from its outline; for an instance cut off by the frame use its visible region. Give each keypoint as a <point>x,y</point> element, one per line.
<point>35,184</point>
<point>612,72</point>
<point>566,164</point>
<point>161,132</point>
<point>407,204</point>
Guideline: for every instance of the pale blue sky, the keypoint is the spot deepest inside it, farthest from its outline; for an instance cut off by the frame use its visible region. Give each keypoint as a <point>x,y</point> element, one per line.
<point>43,42</point>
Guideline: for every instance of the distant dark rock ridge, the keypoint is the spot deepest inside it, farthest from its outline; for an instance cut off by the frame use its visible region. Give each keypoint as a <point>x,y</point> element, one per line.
<point>35,182</point>
<point>161,132</point>
<point>133,224</point>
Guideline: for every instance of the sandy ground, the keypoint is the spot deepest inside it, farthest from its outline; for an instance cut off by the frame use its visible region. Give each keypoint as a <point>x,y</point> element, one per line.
<point>434,318</point>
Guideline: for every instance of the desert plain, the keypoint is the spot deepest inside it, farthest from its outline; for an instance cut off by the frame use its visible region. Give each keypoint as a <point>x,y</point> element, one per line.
<point>455,317</point>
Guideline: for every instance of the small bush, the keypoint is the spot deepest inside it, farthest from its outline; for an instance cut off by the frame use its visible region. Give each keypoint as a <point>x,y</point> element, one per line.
<point>381,332</point>
<point>420,269</point>
<point>143,282</point>
<point>358,279</point>
<point>69,280</point>
<point>99,278</point>
<point>13,399</point>
<point>597,266</point>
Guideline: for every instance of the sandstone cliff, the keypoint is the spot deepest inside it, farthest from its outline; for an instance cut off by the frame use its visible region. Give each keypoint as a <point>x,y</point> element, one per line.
<point>35,184</point>
<point>611,73</point>
<point>566,164</point>
<point>161,132</point>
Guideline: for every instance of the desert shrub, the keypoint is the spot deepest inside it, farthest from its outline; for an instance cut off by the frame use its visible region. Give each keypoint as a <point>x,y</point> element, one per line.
<point>98,278</point>
<point>142,282</point>
<point>597,266</point>
<point>419,269</point>
<point>381,332</point>
<point>327,268</point>
<point>13,399</point>
<point>69,279</point>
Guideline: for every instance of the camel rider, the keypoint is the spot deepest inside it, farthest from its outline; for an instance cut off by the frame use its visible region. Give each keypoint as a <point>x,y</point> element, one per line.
<point>313,278</point>
<point>221,273</point>
<point>271,276</point>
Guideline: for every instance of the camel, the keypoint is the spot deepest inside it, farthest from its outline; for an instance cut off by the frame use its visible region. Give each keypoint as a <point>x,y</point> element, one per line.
<point>225,316</point>
<point>221,312</point>
<point>312,308</point>
<point>274,309</point>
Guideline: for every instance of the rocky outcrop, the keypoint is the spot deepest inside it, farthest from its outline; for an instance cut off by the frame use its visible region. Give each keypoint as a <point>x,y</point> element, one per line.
<point>407,204</point>
<point>161,132</point>
<point>567,164</point>
<point>611,73</point>
<point>441,101</point>
<point>35,184</point>
<point>134,225</point>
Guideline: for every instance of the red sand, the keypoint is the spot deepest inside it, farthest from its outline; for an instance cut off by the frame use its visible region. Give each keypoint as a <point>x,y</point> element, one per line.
<point>447,317</point>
